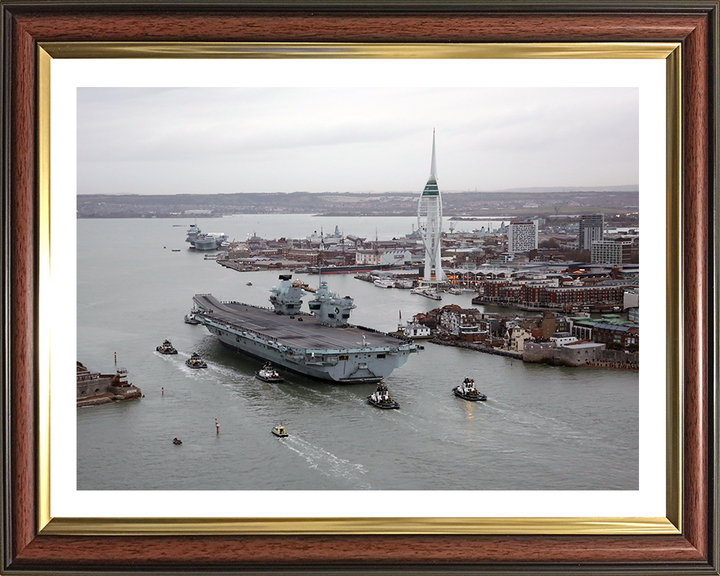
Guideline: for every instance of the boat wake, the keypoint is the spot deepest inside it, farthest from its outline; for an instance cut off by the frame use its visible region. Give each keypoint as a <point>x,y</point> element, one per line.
<point>327,463</point>
<point>534,421</point>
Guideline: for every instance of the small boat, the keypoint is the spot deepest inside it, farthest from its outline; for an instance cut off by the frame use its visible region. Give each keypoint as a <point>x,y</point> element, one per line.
<point>268,373</point>
<point>381,398</point>
<point>166,348</point>
<point>248,284</point>
<point>384,283</point>
<point>280,432</point>
<point>467,391</point>
<point>177,441</point>
<point>432,294</point>
<point>190,319</point>
<point>174,250</point>
<point>195,361</point>
<point>454,291</point>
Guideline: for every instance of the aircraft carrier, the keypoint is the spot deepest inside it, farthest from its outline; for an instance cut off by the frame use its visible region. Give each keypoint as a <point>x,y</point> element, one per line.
<point>321,344</point>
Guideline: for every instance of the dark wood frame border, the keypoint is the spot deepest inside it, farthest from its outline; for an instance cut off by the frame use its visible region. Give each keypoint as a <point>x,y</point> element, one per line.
<point>26,23</point>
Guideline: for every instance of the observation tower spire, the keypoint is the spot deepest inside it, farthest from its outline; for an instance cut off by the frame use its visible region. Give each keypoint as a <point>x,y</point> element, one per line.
<point>430,223</point>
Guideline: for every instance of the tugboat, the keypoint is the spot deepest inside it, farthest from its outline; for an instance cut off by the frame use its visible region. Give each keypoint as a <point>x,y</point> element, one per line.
<point>190,319</point>
<point>177,441</point>
<point>279,431</point>
<point>195,361</point>
<point>166,348</point>
<point>467,391</point>
<point>381,398</point>
<point>268,373</point>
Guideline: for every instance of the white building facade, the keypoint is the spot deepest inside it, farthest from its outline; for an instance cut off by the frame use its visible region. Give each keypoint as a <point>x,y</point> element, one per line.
<point>522,236</point>
<point>606,252</point>
<point>382,257</point>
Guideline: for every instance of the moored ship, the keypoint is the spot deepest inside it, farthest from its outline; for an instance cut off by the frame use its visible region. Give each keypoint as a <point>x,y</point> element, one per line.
<point>200,241</point>
<point>322,344</point>
<point>384,283</point>
<point>349,269</point>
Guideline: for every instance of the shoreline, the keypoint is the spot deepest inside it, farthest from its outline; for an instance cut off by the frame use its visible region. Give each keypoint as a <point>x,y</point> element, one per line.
<point>477,347</point>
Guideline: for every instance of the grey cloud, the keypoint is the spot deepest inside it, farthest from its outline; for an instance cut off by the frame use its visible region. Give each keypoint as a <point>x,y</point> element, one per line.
<point>261,139</point>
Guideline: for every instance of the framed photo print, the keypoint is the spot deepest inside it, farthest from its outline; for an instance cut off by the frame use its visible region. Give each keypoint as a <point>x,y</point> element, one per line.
<point>233,227</point>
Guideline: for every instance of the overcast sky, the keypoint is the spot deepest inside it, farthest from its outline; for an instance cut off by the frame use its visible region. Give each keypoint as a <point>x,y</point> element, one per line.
<point>226,140</point>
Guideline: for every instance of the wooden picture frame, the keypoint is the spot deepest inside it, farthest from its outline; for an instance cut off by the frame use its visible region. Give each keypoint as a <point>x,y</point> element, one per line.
<point>28,547</point>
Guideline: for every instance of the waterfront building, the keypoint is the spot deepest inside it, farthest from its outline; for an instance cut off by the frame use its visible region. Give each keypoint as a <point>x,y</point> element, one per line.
<point>430,223</point>
<point>625,336</point>
<point>563,339</point>
<point>610,252</point>
<point>567,295</point>
<point>453,317</point>
<point>471,333</point>
<point>516,337</point>
<point>582,327</point>
<point>610,330</point>
<point>591,230</point>
<point>396,257</point>
<point>522,236</point>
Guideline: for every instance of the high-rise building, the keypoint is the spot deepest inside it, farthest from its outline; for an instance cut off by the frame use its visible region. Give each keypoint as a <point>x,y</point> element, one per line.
<point>522,236</point>
<point>430,223</point>
<point>610,252</point>
<point>591,230</point>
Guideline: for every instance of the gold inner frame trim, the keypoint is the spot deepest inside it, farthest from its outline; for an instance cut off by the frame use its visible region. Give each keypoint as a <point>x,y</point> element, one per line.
<point>566,50</point>
<point>674,308</point>
<point>44,293</point>
<point>229,526</point>
<point>287,526</point>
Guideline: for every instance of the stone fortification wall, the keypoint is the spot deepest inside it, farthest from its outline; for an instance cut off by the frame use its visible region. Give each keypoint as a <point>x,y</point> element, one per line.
<point>92,384</point>
<point>95,388</point>
<point>596,356</point>
<point>617,359</point>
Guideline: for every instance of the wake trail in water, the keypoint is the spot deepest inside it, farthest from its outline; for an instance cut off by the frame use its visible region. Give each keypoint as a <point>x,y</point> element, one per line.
<point>327,463</point>
<point>554,427</point>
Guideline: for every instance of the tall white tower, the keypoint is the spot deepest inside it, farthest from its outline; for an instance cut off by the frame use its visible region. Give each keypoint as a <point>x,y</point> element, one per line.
<point>430,222</point>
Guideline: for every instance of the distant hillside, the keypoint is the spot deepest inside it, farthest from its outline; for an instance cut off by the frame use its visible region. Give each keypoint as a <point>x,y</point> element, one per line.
<point>628,188</point>
<point>348,204</point>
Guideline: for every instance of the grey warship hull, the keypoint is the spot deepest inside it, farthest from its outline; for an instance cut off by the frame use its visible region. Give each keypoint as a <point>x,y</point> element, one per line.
<point>302,343</point>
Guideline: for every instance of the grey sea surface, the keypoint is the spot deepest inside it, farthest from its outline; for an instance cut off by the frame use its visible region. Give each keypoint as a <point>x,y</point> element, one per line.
<point>542,427</point>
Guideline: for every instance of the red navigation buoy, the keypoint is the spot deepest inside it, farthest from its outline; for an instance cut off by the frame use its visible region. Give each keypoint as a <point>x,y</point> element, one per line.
<point>217,427</point>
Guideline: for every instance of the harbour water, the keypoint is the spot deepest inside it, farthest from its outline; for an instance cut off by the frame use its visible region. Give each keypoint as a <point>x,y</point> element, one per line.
<point>541,428</point>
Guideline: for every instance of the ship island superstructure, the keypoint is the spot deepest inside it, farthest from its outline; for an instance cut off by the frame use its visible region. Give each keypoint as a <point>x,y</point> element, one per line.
<point>322,344</point>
